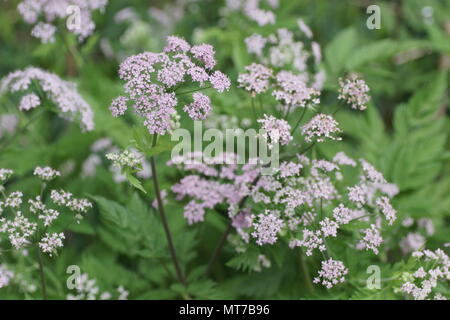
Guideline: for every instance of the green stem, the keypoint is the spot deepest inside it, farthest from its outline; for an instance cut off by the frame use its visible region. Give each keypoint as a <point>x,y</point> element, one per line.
<point>224,236</point>
<point>299,121</point>
<point>162,212</point>
<point>41,273</point>
<point>22,129</point>
<point>190,91</point>
<point>219,248</point>
<point>306,273</point>
<point>255,117</point>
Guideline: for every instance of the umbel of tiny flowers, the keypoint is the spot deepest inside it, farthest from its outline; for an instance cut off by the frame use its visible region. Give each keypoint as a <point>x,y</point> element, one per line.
<point>50,12</point>
<point>425,281</point>
<point>281,50</point>
<point>25,223</point>
<point>153,84</point>
<point>5,174</point>
<point>155,80</point>
<point>332,273</point>
<point>253,10</point>
<point>290,91</point>
<point>321,127</point>
<point>46,173</point>
<point>354,91</point>
<point>88,289</point>
<point>38,86</point>
<point>306,202</point>
<point>275,130</point>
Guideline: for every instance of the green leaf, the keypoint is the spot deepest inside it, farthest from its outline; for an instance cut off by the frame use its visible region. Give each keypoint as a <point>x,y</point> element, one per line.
<point>112,211</point>
<point>135,182</point>
<point>338,51</point>
<point>246,261</point>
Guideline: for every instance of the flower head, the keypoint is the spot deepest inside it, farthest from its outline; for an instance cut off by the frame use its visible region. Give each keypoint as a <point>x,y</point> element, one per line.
<point>354,92</point>
<point>256,79</point>
<point>332,273</point>
<point>63,94</point>
<point>320,128</point>
<point>151,77</point>
<point>275,130</point>
<point>46,173</point>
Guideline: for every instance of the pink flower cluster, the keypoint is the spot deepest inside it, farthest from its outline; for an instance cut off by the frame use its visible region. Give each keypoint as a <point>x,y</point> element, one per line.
<point>208,186</point>
<point>153,78</point>
<point>332,273</point>
<point>44,13</point>
<point>280,50</point>
<point>256,79</point>
<point>424,281</point>
<point>275,130</point>
<point>321,127</point>
<point>62,93</point>
<point>267,226</point>
<point>353,91</point>
<point>253,11</point>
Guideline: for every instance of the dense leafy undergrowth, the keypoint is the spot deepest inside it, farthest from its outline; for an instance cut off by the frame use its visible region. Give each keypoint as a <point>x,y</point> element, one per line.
<point>346,198</point>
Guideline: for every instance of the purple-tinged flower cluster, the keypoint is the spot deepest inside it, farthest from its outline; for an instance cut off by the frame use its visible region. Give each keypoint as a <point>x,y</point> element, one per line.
<point>62,93</point>
<point>280,50</point>
<point>372,239</point>
<point>152,80</point>
<point>386,208</point>
<point>256,79</point>
<point>267,226</point>
<point>291,90</point>
<point>275,130</point>
<point>208,186</point>
<point>253,11</point>
<point>353,91</point>
<point>44,13</point>
<point>29,101</point>
<point>321,127</point>
<point>199,108</point>
<point>332,273</point>
<point>44,31</point>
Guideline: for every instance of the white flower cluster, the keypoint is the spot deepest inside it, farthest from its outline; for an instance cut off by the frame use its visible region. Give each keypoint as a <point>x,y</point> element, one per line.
<point>5,174</point>
<point>46,173</point>
<point>76,205</point>
<point>124,159</point>
<point>22,229</point>
<point>51,242</point>
<point>88,289</point>
<point>421,284</point>
<point>5,276</point>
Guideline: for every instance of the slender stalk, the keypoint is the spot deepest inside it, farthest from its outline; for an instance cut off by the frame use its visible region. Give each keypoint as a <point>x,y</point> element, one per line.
<point>190,91</point>
<point>218,249</point>
<point>21,130</point>
<point>224,236</point>
<point>299,121</point>
<point>308,148</point>
<point>254,109</point>
<point>301,152</point>
<point>288,111</point>
<point>41,273</point>
<point>162,212</point>
<point>305,272</point>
